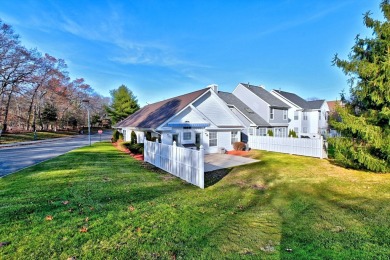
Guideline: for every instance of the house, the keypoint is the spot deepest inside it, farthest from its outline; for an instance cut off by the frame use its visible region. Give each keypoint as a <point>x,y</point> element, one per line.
<point>332,113</point>
<point>194,119</point>
<point>254,123</point>
<point>307,118</point>
<point>267,106</point>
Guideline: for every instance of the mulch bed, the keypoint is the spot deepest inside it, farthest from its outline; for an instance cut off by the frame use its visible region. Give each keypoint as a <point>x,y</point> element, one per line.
<point>239,153</point>
<point>138,157</point>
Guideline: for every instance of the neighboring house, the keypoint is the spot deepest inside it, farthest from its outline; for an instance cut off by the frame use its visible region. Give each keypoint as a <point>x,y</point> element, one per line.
<point>193,119</point>
<point>307,118</point>
<point>332,113</point>
<point>253,122</point>
<point>271,109</point>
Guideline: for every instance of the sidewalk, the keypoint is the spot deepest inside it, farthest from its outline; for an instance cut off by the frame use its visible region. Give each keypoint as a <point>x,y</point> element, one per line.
<point>37,141</point>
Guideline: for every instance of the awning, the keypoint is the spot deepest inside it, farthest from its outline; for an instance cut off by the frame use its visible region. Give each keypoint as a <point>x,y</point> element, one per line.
<point>188,124</point>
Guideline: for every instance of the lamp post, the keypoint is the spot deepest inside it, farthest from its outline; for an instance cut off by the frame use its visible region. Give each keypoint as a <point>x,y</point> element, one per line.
<point>89,125</point>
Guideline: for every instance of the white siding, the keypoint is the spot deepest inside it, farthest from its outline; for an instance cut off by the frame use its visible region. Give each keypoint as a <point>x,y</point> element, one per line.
<point>188,115</point>
<point>216,111</point>
<point>252,101</point>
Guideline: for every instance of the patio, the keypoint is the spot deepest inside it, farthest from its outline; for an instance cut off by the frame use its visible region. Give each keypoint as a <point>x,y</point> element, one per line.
<point>214,162</point>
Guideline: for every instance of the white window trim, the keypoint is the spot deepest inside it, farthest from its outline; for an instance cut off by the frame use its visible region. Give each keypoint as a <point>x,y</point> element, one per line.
<point>216,139</point>
<point>184,134</point>
<point>271,114</point>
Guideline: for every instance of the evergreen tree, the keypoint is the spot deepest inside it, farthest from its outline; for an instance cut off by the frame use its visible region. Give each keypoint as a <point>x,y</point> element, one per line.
<point>364,121</point>
<point>124,103</point>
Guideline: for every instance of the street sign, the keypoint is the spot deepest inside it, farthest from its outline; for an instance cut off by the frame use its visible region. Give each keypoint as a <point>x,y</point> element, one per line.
<point>100,132</point>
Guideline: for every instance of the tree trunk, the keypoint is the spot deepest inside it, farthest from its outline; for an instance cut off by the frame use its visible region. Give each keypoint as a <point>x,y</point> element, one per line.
<point>7,109</point>
<point>30,108</point>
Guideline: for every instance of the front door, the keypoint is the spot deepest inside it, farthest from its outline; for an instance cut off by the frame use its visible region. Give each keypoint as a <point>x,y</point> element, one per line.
<point>197,140</point>
<point>175,138</point>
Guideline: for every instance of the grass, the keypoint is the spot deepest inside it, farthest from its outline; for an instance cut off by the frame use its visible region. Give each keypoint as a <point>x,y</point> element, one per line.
<point>283,207</point>
<point>7,138</point>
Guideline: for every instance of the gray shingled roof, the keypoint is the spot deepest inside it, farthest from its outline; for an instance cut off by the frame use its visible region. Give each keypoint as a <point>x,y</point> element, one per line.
<point>297,100</point>
<point>266,96</point>
<point>316,104</point>
<point>153,115</point>
<point>231,99</point>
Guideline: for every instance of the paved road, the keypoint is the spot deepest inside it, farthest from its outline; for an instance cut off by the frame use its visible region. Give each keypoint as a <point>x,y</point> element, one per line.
<point>16,158</point>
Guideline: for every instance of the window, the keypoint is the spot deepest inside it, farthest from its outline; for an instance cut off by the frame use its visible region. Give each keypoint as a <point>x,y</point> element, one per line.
<point>296,130</point>
<point>319,115</point>
<point>124,135</point>
<point>234,137</point>
<point>305,130</point>
<point>213,141</point>
<point>187,136</point>
<point>271,113</point>
<point>284,114</point>
<point>304,115</point>
<point>261,132</point>
<point>296,115</point>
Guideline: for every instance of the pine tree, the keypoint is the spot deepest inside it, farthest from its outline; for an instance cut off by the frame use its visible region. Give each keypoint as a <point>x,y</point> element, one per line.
<point>364,121</point>
<point>124,103</point>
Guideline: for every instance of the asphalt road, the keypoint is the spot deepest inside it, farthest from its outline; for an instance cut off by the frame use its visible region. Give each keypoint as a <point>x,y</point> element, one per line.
<point>15,158</point>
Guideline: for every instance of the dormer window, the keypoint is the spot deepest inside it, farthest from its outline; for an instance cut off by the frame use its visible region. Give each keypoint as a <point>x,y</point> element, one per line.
<point>271,114</point>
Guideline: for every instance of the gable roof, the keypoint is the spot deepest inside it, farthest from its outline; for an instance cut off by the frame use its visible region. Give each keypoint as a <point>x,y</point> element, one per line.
<point>316,104</point>
<point>231,99</point>
<point>297,100</point>
<point>153,115</point>
<point>332,105</point>
<point>266,96</point>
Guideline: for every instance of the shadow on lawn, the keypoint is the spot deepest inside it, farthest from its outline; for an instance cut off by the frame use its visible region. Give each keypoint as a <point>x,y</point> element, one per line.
<point>213,177</point>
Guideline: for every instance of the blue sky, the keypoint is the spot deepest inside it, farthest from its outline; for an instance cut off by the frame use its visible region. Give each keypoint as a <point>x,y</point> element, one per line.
<point>160,49</point>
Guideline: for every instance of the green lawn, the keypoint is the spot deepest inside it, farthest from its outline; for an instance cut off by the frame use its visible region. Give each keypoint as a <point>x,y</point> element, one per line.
<point>7,138</point>
<point>284,207</point>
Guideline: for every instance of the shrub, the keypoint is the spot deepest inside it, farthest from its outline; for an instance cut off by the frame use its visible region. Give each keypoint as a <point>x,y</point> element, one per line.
<point>134,148</point>
<point>239,146</point>
<point>137,148</point>
<point>115,136</point>
<point>133,137</point>
<point>270,133</point>
<point>120,137</point>
<point>292,133</point>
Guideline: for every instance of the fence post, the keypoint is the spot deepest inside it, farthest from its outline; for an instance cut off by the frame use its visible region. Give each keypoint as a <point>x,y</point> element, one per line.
<point>201,167</point>
<point>322,148</point>
<point>174,159</point>
<point>145,150</point>
<point>158,154</point>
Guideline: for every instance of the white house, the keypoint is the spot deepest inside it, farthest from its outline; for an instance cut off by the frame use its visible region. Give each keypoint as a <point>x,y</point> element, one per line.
<point>267,106</point>
<point>306,118</point>
<point>254,123</point>
<point>193,119</point>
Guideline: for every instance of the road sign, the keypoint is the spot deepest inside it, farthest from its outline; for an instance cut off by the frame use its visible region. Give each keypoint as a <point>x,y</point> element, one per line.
<point>100,132</point>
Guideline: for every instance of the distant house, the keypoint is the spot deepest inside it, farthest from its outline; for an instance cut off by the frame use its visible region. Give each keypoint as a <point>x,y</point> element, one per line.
<point>253,122</point>
<point>332,113</point>
<point>307,118</point>
<point>194,119</point>
<point>273,110</point>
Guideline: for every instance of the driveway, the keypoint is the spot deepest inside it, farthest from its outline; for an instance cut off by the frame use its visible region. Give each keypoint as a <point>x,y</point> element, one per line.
<point>26,154</point>
<point>214,162</point>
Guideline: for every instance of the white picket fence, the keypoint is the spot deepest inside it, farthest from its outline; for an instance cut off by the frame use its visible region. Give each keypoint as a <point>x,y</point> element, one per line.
<point>299,146</point>
<point>187,164</point>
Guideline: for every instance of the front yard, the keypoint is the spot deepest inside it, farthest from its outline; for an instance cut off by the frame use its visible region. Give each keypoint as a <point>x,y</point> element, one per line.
<point>98,203</point>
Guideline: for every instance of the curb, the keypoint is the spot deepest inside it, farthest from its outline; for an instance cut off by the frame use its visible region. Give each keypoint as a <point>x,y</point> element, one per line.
<point>35,142</point>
